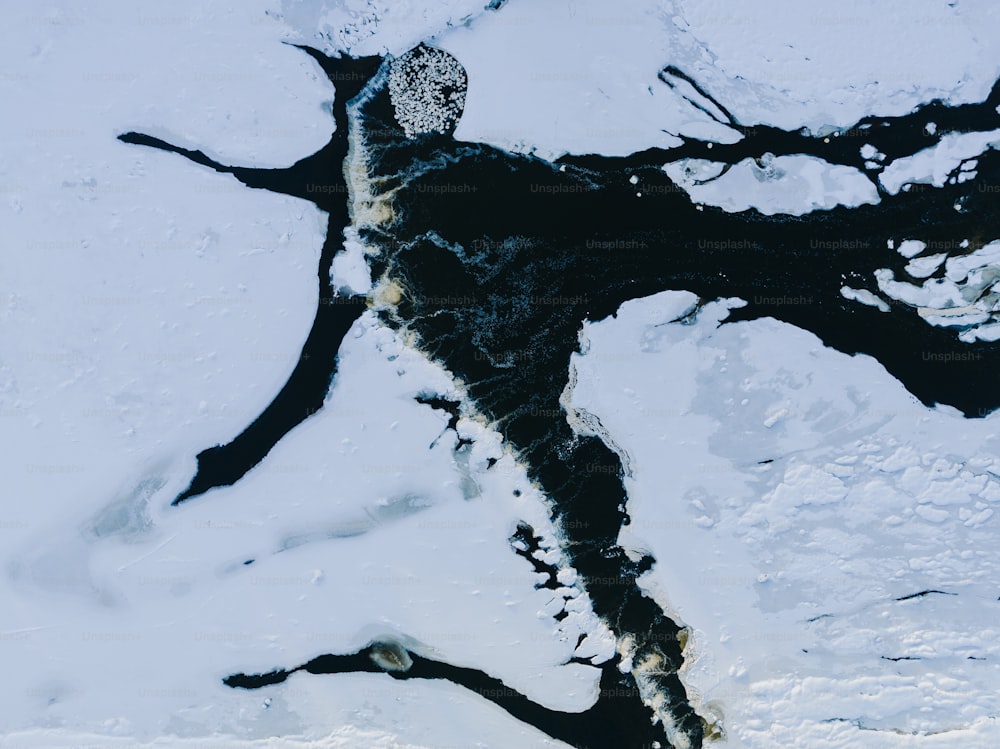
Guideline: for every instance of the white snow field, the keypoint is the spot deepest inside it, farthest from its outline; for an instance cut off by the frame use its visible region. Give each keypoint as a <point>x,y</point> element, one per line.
<point>128,613</point>
<point>792,495</point>
<point>150,309</point>
<point>561,76</point>
<point>785,184</point>
<point>580,76</point>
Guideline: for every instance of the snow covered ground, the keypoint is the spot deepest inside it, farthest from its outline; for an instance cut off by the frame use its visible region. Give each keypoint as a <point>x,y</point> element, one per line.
<point>577,76</point>
<point>128,612</point>
<point>149,309</point>
<point>787,184</point>
<point>561,76</point>
<point>797,500</point>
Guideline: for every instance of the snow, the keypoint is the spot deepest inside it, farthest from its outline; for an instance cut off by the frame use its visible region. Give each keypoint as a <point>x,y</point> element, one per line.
<point>258,102</point>
<point>350,273</point>
<point>155,304</point>
<point>157,307</point>
<point>590,87</point>
<point>933,165</point>
<point>575,77</point>
<point>369,27</point>
<point>787,184</point>
<point>344,738</point>
<point>140,609</point>
<point>825,66</point>
<point>154,309</point>
<point>864,296</point>
<point>922,267</point>
<point>811,491</point>
<point>910,248</point>
<point>966,298</point>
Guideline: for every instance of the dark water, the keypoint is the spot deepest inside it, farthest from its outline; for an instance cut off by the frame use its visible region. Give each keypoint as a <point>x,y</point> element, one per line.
<point>529,249</point>
<point>617,719</point>
<point>502,257</point>
<point>319,179</point>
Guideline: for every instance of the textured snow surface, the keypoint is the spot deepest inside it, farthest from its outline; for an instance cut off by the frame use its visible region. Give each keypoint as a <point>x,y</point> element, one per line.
<point>150,309</point>
<point>966,298</point>
<point>829,65</point>
<point>791,495</point>
<point>933,165</point>
<point>787,184</point>
<point>580,76</point>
